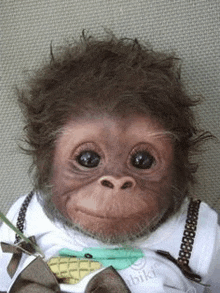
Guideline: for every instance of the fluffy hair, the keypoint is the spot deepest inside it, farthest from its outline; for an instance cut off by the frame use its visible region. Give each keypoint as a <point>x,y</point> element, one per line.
<point>113,76</point>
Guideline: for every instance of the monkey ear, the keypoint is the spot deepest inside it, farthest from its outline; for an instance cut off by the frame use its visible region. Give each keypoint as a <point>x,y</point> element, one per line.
<point>107,281</point>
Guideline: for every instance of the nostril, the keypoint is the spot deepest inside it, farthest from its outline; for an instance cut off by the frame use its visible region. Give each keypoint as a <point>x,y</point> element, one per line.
<point>107,183</point>
<point>127,184</point>
<point>117,184</point>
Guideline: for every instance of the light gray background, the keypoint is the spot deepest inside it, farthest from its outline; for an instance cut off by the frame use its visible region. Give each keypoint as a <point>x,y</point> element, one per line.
<point>191,28</point>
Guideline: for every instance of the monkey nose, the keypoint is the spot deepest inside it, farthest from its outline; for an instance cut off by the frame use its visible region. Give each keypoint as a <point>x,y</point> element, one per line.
<point>117,183</point>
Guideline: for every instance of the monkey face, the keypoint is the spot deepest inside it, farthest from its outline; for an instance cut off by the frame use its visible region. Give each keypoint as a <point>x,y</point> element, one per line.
<point>112,177</point>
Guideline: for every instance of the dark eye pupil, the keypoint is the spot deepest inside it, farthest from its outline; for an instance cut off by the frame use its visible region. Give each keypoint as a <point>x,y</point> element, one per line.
<point>142,160</point>
<point>88,159</point>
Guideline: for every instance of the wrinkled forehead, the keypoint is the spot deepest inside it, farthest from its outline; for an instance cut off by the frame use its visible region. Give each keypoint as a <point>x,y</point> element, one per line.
<point>106,126</point>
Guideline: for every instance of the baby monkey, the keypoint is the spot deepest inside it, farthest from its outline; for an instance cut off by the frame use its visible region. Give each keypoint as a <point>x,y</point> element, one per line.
<point>111,132</point>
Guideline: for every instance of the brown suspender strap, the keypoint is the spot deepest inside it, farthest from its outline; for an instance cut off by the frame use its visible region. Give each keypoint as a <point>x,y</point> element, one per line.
<point>189,232</point>
<point>187,243</point>
<point>22,214</point>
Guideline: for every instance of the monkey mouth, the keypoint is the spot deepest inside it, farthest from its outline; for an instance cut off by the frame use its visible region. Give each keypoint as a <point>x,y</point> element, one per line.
<point>95,215</point>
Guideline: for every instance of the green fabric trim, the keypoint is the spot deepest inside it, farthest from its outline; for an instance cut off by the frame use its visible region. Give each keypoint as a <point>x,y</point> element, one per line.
<point>119,258</point>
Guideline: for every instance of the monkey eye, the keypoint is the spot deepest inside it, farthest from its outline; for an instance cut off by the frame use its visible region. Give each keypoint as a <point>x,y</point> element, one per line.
<point>88,159</point>
<point>142,160</point>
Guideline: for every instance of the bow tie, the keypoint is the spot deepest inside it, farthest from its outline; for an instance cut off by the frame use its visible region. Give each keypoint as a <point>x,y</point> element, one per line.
<point>38,278</point>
